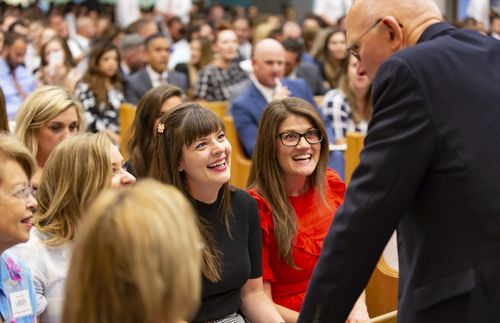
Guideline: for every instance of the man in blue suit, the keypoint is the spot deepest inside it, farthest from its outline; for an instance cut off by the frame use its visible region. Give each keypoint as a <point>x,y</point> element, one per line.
<point>430,167</point>
<point>267,84</point>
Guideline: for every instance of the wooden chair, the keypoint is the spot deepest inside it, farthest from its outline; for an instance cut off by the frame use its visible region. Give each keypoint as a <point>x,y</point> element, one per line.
<point>126,117</point>
<point>382,290</point>
<point>218,107</point>
<point>318,99</point>
<point>240,163</point>
<point>355,143</point>
<point>384,318</point>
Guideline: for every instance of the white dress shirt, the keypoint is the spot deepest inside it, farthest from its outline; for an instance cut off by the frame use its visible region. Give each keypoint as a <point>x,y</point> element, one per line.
<point>155,77</point>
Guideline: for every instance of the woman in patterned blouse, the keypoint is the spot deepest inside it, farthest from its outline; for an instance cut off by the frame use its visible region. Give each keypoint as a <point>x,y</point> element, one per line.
<point>101,90</point>
<point>223,79</point>
<point>349,107</point>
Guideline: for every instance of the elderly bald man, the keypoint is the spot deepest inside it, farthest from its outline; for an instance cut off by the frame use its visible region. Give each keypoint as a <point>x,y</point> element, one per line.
<point>267,84</point>
<point>430,168</point>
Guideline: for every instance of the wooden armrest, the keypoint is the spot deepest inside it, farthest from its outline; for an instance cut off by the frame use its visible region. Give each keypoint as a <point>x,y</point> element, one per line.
<point>383,318</point>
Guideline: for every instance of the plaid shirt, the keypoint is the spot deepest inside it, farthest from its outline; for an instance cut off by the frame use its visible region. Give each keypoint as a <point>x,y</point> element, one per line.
<point>338,112</point>
<point>215,83</point>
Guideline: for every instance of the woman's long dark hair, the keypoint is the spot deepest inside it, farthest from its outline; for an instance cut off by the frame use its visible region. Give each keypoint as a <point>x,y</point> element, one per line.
<point>180,127</point>
<point>141,144</point>
<point>94,77</point>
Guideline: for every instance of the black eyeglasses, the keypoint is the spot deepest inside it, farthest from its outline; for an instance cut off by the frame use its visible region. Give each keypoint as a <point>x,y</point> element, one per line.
<point>292,139</point>
<point>354,48</point>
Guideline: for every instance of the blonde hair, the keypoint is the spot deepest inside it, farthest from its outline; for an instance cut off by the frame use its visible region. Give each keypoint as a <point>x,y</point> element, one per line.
<point>267,176</point>
<point>41,106</point>
<point>343,85</point>
<point>136,258</point>
<point>77,170</point>
<point>12,149</point>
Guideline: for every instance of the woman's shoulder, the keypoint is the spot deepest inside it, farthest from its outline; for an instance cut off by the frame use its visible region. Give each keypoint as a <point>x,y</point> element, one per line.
<point>335,185</point>
<point>209,69</point>
<point>82,87</point>
<point>241,197</point>
<point>334,94</point>
<point>265,212</point>
<point>333,178</point>
<point>15,265</point>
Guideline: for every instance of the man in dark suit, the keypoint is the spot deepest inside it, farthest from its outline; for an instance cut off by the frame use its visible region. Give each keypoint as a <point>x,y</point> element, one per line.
<point>156,71</point>
<point>266,84</point>
<point>295,68</point>
<point>430,167</point>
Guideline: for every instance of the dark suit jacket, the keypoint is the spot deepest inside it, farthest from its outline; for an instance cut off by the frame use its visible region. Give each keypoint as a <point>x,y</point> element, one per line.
<point>248,107</point>
<point>431,164</point>
<point>311,73</point>
<point>139,83</point>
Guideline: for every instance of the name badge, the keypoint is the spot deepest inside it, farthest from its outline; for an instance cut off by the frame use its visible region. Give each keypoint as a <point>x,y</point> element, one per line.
<point>20,304</point>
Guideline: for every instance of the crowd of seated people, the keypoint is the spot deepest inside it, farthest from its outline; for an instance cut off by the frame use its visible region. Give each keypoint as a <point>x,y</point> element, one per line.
<point>250,253</point>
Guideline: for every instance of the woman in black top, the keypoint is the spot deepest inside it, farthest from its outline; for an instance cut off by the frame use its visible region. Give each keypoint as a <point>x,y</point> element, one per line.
<point>192,153</point>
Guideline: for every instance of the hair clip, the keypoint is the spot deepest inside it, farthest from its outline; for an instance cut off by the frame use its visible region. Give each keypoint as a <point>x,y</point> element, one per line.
<point>160,128</point>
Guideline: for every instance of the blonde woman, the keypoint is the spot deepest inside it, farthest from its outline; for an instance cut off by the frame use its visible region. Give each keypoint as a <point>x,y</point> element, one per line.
<point>76,172</point>
<point>136,259</point>
<point>47,117</point>
<point>349,107</point>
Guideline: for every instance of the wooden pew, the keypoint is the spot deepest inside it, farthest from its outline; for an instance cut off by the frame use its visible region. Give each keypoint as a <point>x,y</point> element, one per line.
<point>355,143</point>
<point>126,116</point>
<point>382,288</point>
<point>384,318</point>
<point>240,163</point>
<point>218,107</point>
<point>318,99</point>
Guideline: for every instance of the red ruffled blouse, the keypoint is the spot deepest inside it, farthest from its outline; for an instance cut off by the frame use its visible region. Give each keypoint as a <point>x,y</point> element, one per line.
<point>288,284</point>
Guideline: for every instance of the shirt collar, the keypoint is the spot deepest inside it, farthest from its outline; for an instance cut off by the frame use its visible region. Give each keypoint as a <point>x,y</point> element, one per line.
<point>267,92</point>
<point>154,76</point>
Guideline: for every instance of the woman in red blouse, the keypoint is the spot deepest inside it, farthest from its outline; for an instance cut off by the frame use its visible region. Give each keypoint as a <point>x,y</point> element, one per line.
<point>297,197</point>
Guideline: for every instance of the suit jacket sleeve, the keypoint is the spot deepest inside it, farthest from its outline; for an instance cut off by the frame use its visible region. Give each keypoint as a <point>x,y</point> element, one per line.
<point>398,150</point>
<point>131,95</point>
<point>245,125</point>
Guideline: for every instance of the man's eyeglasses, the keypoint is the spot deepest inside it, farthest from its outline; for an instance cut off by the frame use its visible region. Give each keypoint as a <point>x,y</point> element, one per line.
<point>292,139</point>
<point>354,48</point>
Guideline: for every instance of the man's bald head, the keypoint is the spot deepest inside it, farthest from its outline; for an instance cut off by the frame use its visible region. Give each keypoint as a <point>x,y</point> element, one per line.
<point>377,29</point>
<point>408,12</point>
<point>268,61</point>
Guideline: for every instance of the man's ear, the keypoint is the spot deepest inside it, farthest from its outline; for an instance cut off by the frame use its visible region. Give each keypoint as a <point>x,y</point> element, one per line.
<point>395,30</point>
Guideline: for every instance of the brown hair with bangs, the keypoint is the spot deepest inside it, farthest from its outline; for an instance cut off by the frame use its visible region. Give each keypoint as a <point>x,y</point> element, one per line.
<point>266,174</point>
<point>182,126</point>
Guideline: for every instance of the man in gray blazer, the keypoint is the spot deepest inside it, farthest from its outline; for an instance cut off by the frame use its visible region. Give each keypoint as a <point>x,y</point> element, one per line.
<point>155,72</point>
<point>430,168</point>
<point>296,68</point>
